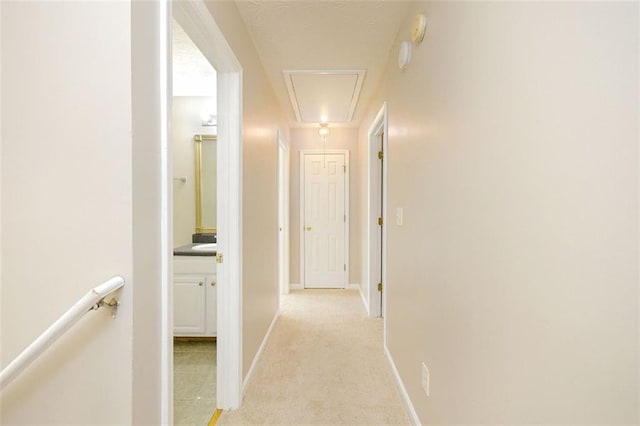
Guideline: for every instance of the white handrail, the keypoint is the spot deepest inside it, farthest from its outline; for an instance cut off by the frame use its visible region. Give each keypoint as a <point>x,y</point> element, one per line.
<point>92,300</point>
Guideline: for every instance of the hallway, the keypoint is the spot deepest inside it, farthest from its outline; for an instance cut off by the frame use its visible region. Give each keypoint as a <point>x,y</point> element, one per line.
<point>510,211</point>
<point>317,367</point>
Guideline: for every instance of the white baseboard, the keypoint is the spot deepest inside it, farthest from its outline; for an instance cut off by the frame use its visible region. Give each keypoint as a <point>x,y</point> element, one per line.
<point>403,391</point>
<point>294,286</point>
<point>259,353</point>
<point>365,303</point>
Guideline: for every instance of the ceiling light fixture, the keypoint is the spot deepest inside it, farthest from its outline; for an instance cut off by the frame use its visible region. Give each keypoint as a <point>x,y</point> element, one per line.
<point>324,130</point>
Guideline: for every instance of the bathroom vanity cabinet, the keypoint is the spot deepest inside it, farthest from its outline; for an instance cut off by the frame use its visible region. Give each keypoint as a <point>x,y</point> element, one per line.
<point>194,296</point>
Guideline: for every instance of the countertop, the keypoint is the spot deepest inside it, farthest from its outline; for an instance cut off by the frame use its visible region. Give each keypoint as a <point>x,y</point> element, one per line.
<point>187,250</point>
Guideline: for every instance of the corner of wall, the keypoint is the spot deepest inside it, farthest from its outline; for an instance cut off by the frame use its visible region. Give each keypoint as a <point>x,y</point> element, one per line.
<point>150,346</point>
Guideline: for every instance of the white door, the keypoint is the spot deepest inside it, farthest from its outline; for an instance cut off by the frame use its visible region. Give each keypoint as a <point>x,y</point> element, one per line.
<point>325,220</point>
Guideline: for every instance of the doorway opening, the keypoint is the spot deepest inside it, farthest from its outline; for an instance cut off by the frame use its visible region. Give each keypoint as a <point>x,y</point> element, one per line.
<point>283,214</point>
<point>197,22</point>
<point>377,214</point>
<point>194,153</point>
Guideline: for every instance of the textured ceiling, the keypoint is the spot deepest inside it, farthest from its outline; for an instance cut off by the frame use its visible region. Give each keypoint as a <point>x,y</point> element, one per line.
<point>317,35</point>
<point>193,75</point>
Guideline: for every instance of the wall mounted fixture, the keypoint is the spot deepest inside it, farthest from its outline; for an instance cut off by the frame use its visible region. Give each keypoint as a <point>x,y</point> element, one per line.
<point>404,54</point>
<point>419,28</point>
<point>209,119</point>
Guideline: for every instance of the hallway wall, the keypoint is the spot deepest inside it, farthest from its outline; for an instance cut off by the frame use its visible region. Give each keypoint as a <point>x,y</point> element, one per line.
<point>262,119</point>
<point>186,123</point>
<point>340,138</point>
<point>67,207</point>
<point>513,150</point>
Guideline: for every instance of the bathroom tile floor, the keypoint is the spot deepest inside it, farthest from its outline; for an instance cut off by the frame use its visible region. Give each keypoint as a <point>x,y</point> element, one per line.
<point>194,381</point>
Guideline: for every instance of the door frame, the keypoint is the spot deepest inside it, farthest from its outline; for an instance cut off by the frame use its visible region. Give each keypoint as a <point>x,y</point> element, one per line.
<point>196,20</point>
<point>283,214</point>
<point>345,152</point>
<point>373,261</point>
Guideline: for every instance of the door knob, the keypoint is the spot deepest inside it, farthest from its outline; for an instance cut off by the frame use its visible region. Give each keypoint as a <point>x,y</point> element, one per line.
<point>308,228</point>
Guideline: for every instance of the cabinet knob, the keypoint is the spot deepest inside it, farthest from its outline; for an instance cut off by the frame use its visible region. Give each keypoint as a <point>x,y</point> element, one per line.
<point>308,228</point>
<point>201,284</point>
<point>213,283</point>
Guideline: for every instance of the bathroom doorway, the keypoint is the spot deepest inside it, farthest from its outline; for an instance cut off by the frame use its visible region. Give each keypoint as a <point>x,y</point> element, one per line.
<point>194,165</point>
<point>198,23</point>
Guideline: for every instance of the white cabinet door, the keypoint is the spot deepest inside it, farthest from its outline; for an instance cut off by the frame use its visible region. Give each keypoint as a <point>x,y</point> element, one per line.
<point>211,305</point>
<point>189,305</point>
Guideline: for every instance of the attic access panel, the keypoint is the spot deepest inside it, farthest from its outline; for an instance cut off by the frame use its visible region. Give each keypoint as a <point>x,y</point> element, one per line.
<point>324,95</point>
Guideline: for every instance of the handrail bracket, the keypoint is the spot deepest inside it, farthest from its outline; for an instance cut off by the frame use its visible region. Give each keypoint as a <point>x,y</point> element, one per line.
<point>113,303</point>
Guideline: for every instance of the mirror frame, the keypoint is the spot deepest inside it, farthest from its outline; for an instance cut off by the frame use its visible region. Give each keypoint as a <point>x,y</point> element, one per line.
<point>198,139</point>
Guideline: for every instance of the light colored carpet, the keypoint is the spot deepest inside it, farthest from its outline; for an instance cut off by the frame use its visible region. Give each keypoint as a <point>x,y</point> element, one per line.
<point>323,365</point>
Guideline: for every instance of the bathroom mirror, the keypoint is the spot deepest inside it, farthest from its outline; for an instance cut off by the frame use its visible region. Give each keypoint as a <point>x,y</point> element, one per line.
<point>206,194</point>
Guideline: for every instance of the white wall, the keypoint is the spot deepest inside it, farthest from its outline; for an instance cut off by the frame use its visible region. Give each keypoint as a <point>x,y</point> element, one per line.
<point>66,206</point>
<point>186,123</point>
<point>2,358</point>
<point>340,138</point>
<point>514,153</point>
<point>262,119</point>
<point>152,327</point>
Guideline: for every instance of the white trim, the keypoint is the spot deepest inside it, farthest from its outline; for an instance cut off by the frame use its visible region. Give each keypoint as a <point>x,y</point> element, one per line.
<point>364,301</point>
<point>229,226</point>
<point>351,286</point>
<point>206,34</point>
<point>413,416</point>
<point>288,74</point>
<point>284,264</point>
<point>345,152</point>
<point>378,126</point>
<point>258,355</point>
<point>166,213</point>
<point>198,23</point>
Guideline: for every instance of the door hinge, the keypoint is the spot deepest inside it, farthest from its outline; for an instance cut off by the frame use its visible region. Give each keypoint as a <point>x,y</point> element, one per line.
<point>345,218</point>
<point>380,287</point>
<point>344,169</point>
<point>380,221</point>
<point>345,266</point>
<point>380,155</point>
<point>219,258</point>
